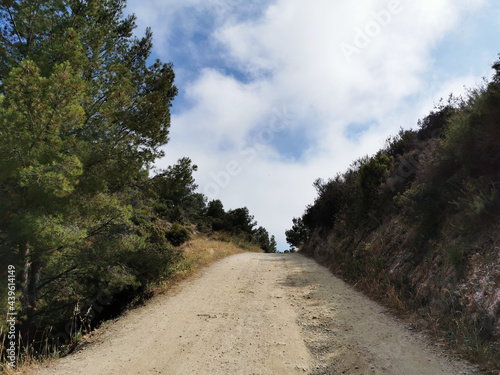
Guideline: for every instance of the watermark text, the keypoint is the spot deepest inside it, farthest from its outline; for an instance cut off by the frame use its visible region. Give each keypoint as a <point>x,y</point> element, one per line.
<point>364,36</point>
<point>11,316</point>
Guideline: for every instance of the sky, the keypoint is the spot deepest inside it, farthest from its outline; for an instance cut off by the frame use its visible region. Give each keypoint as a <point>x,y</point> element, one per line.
<point>274,94</point>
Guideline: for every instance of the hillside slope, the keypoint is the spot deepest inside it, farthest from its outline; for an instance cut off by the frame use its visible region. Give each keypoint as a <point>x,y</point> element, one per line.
<point>418,224</point>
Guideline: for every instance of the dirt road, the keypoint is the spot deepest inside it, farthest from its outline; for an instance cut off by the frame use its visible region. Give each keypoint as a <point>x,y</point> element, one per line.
<point>258,314</point>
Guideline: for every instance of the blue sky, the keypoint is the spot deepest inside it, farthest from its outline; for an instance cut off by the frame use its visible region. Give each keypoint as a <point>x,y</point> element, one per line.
<point>275,94</point>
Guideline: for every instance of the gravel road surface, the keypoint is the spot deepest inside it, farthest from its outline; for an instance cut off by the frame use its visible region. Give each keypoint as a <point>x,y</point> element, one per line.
<point>261,314</point>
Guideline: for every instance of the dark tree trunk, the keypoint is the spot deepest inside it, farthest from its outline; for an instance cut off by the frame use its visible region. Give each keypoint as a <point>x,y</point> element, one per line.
<point>30,280</point>
<point>25,276</point>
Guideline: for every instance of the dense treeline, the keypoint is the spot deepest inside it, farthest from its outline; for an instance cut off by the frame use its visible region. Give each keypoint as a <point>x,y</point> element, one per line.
<point>418,222</point>
<point>83,117</point>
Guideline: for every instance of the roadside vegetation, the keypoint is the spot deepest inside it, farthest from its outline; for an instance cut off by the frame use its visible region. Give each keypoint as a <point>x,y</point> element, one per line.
<point>88,223</point>
<point>417,224</point>
<point>202,251</point>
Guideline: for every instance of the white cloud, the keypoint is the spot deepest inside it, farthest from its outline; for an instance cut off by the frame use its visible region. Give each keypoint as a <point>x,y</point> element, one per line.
<point>291,54</point>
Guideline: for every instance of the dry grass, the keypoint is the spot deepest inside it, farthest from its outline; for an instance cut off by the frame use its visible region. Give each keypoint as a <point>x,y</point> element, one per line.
<point>24,361</point>
<point>203,251</point>
<point>200,252</point>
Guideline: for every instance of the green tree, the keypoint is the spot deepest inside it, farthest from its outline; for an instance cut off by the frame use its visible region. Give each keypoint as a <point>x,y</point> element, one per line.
<point>82,118</point>
<point>262,237</point>
<point>330,201</point>
<point>371,175</point>
<point>297,235</point>
<point>175,188</point>
<point>216,216</point>
<point>273,246</point>
<point>176,184</point>
<point>240,220</point>
<point>215,209</point>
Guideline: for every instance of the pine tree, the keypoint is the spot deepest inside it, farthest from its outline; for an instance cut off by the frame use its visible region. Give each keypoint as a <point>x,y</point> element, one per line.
<point>82,119</point>
<point>273,246</point>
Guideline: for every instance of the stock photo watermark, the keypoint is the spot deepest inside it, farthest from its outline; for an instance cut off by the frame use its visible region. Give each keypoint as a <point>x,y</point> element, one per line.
<point>372,29</point>
<point>11,316</point>
<point>222,179</point>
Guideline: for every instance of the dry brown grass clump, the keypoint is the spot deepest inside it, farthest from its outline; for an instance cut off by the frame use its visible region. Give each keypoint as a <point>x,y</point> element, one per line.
<point>199,252</point>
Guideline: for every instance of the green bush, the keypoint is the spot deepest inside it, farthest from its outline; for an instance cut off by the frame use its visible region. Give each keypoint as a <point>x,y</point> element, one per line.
<point>455,253</point>
<point>162,210</point>
<point>372,174</point>
<point>177,234</point>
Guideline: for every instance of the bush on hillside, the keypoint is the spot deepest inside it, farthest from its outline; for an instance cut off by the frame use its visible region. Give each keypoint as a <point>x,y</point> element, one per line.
<point>177,234</point>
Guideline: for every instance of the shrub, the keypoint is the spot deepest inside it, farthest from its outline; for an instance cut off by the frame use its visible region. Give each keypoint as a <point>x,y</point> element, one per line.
<point>400,144</point>
<point>372,174</point>
<point>177,234</point>
<point>162,210</point>
<point>455,253</point>
<point>432,126</point>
